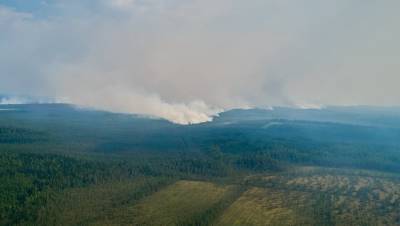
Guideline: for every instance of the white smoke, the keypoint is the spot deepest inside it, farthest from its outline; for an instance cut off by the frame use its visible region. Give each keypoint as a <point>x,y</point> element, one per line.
<point>16,100</point>
<point>187,60</point>
<point>127,101</point>
<point>310,106</point>
<point>12,100</point>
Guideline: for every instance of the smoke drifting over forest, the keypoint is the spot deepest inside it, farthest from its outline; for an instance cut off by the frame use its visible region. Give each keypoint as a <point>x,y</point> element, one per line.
<point>188,60</point>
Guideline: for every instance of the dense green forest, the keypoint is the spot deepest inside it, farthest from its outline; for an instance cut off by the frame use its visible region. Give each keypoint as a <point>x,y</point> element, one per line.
<point>60,165</point>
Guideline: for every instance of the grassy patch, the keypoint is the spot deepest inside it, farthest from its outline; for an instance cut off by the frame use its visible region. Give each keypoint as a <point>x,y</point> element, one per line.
<point>179,203</point>
<point>259,206</point>
<point>325,196</point>
<point>99,204</point>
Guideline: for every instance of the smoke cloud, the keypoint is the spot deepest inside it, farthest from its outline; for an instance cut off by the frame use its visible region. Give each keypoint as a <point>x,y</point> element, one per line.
<point>186,61</point>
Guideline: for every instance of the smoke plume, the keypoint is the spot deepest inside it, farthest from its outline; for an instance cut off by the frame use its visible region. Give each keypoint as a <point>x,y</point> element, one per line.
<point>186,61</point>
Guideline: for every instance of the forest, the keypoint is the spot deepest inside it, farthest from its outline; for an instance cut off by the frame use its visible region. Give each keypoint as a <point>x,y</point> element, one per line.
<point>61,165</point>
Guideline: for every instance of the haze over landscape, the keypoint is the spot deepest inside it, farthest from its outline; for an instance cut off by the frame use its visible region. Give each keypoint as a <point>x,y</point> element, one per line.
<point>199,113</point>
<point>188,60</point>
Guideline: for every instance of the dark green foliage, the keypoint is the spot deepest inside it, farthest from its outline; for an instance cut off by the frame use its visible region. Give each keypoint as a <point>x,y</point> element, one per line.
<point>99,203</point>
<point>12,135</point>
<point>48,152</point>
<point>257,162</point>
<point>28,180</point>
<point>209,216</point>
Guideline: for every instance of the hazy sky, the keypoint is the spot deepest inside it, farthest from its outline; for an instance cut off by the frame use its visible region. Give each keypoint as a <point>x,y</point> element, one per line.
<point>185,60</point>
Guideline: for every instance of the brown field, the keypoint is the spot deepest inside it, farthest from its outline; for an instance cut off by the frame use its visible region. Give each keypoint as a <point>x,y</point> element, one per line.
<point>259,206</point>
<point>301,196</point>
<point>178,203</point>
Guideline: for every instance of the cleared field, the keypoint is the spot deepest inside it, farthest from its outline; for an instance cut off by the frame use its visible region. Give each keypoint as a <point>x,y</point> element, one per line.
<point>259,206</point>
<point>305,196</point>
<point>179,203</point>
<point>105,204</point>
<point>359,197</point>
<point>334,197</point>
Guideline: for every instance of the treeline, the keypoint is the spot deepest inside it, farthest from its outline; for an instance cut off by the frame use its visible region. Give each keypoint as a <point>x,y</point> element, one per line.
<point>30,180</point>
<point>209,216</point>
<point>27,180</point>
<point>103,204</point>
<point>13,135</point>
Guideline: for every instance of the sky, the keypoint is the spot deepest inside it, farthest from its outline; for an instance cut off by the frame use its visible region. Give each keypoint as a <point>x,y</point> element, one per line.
<point>188,60</point>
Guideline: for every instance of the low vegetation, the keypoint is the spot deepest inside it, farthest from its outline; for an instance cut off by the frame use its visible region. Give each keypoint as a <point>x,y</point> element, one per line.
<point>97,168</point>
